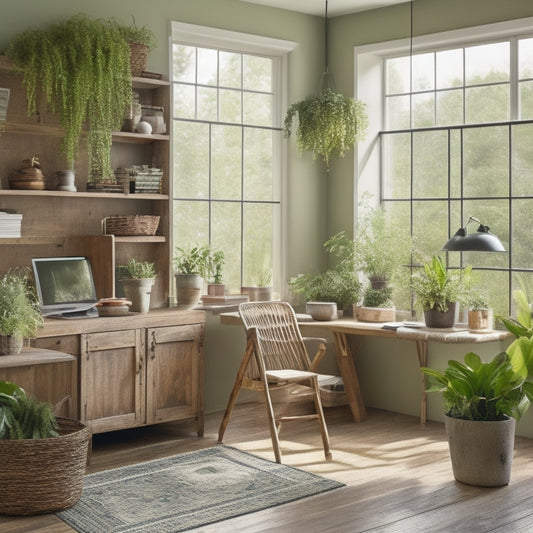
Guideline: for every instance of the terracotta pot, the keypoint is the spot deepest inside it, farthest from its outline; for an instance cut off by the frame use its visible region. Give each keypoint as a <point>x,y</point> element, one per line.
<point>258,294</point>
<point>216,289</point>
<point>188,290</point>
<point>480,319</point>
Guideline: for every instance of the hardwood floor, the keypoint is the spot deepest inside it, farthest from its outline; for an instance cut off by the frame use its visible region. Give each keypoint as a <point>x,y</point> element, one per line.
<point>398,476</point>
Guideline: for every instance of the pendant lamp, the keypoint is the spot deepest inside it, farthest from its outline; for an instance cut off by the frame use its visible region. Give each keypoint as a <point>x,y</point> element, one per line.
<point>481,240</point>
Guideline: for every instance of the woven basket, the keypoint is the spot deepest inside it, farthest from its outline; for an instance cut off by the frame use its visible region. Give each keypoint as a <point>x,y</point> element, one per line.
<point>138,58</point>
<point>44,475</point>
<point>130,225</point>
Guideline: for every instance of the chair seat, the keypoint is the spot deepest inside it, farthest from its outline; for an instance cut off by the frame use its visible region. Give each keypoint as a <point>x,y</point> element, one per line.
<point>289,375</point>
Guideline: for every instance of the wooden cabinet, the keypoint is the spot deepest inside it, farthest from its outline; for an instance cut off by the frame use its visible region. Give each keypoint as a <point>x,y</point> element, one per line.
<point>135,370</point>
<point>70,223</point>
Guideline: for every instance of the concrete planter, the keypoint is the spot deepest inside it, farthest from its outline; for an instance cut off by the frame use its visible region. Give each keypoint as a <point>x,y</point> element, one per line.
<point>481,452</point>
<point>188,290</point>
<point>138,291</point>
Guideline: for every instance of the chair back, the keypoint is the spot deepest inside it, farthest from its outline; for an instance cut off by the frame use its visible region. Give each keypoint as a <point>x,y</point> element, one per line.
<point>276,334</point>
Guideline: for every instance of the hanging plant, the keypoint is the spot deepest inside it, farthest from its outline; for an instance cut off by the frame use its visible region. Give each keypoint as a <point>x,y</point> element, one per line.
<point>329,123</point>
<point>83,68</point>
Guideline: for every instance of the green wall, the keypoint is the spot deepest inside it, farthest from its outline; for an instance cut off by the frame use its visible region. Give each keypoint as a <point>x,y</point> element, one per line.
<point>319,205</point>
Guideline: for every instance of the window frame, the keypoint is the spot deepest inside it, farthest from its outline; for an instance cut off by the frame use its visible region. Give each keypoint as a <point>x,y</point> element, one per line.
<point>245,43</point>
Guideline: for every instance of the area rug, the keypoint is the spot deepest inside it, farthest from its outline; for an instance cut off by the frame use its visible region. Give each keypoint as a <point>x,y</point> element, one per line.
<point>187,491</point>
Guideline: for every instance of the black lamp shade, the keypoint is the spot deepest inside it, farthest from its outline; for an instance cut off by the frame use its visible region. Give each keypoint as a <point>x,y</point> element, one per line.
<point>481,240</point>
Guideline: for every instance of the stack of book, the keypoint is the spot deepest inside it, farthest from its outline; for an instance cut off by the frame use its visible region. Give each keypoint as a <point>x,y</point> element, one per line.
<point>10,225</point>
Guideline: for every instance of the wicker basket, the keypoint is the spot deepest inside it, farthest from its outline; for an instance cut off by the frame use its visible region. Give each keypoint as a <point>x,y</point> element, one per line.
<point>138,58</point>
<point>130,225</point>
<point>44,475</point>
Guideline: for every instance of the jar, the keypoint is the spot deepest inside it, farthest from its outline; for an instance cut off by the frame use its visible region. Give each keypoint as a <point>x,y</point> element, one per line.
<point>155,117</point>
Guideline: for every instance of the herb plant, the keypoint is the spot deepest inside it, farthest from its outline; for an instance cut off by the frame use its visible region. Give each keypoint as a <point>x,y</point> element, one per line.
<point>192,260</point>
<point>137,270</point>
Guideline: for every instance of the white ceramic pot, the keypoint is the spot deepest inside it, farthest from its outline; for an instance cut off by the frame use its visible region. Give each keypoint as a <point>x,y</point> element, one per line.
<point>322,310</point>
<point>138,291</point>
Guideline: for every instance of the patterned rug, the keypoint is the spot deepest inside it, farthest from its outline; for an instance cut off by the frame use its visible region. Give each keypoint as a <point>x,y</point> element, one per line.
<point>187,491</point>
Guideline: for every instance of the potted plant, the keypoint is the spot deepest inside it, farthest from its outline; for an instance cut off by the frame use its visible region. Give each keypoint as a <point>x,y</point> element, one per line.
<point>191,266</point>
<point>340,285</point>
<point>329,123</point>
<point>482,402</point>
<point>437,290</point>
<point>522,325</point>
<point>82,66</point>
<point>480,316</point>
<point>377,305</point>
<point>53,452</point>
<point>140,41</point>
<point>261,288</point>
<point>216,287</point>
<point>137,278</point>
<point>20,315</point>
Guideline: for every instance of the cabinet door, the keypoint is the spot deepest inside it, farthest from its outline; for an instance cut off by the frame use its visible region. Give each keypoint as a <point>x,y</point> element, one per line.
<point>175,374</point>
<point>112,380</point>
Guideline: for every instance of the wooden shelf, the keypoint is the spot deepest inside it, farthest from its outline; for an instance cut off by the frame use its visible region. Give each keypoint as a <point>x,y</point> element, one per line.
<point>141,239</point>
<point>84,194</point>
<point>138,138</point>
<point>148,83</point>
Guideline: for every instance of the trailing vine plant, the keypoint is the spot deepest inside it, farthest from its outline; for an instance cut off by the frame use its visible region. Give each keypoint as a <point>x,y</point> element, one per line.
<point>83,68</point>
<point>328,123</point>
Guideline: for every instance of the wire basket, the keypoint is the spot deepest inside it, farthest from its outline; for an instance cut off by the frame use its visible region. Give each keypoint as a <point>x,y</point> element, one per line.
<point>130,225</point>
<point>44,475</point>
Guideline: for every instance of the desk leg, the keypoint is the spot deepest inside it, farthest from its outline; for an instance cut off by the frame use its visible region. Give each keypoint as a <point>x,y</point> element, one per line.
<point>422,351</point>
<point>236,389</point>
<point>346,364</point>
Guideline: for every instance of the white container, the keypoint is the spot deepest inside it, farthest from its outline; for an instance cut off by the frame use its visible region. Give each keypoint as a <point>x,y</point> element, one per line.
<point>323,311</point>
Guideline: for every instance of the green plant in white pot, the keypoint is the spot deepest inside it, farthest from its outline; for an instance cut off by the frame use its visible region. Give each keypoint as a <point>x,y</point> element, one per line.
<point>137,278</point>
<point>20,315</point>
<point>191,265</point>
<point>482,402</point>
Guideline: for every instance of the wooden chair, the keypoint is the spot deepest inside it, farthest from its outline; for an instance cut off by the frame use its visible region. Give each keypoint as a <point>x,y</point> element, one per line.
<point>280,358</point>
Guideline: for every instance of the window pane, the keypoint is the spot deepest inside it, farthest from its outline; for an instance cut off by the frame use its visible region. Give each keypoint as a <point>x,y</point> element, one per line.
<point>522,159</point>
<point>207,66</point>
<point>226,162</point>
<point>456,164</point>
<point>397,75</point>
<point>397,165</point>
<point>430,164</point>
<point>423,110</point>
<point>449,68</point>
<point>257,73</point>
<point>521,229</point>
<point>486,162</point>
<point>191,160</point>
<point>450,107</point>
<point>230,106</point>
<point>398,111</point>
<point>430,229</point>
<point>525,58</point>
<point>526,100</point>
<point>183,63</point>
<point>207,103</point>
<point>190,220</point>
<point>258,243</point>
<point>184,101</point>
<point>487,104</point>
<point>230,70</point>
<point>487,63</point>
<point>258,109</point>
<point>423,72</point>
<point>227,237</point>
<point>258,164</point>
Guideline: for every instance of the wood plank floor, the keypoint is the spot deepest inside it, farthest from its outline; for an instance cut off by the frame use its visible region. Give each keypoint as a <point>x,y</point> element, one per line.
<point>398,476</point>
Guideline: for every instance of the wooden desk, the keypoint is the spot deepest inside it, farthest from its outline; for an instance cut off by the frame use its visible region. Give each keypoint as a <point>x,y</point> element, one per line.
<point>345,355</point>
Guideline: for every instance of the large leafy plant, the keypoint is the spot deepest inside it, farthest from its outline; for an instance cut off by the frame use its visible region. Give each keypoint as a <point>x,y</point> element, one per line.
<point>487,391</point>
<point>23,417</point>
<point>194,259</point>
<point>328,124</point>
<point>522,325</point>
<point>83,68</point>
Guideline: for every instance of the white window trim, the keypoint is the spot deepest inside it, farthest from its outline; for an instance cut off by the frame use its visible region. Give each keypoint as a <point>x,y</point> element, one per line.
<point>209,37</point>
<point>368,83</point>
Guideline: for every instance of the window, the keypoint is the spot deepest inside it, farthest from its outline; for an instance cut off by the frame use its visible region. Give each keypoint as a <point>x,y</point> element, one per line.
<point>456,142</point>
<point>228,93</point>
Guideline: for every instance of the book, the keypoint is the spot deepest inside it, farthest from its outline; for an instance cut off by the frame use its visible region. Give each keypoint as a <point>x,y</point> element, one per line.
<point>225,298</point>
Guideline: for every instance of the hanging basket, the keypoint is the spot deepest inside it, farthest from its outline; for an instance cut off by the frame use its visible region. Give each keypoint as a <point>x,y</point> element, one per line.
<point>138,58</point>
<point>44,475</point>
